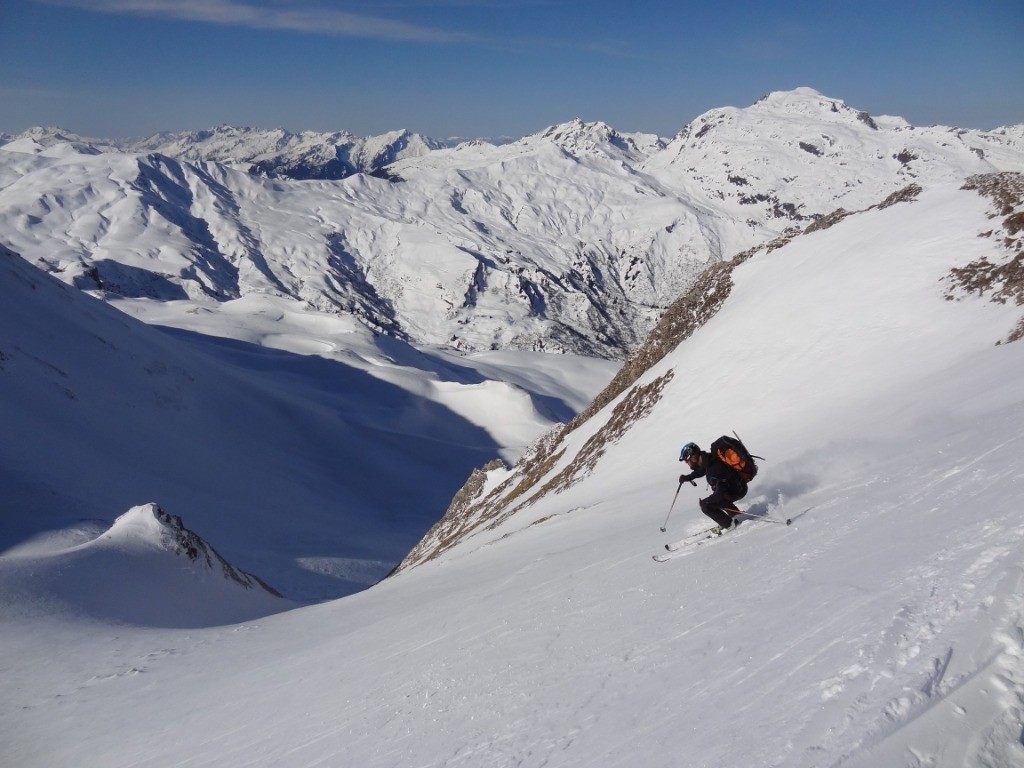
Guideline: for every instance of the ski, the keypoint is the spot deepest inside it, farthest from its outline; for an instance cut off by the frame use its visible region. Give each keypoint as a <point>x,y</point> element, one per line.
<point>680,547</point>
<point>674,545</point>
<point>766,519</point>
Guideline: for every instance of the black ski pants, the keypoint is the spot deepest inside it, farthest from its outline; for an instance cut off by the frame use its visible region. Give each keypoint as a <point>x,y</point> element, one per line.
<point>715,505</point>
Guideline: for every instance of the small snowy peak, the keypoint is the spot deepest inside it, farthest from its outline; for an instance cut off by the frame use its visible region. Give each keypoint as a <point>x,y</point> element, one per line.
<point>598,139</point>
<point>375,152</point>
<point>50,135</point>
<point>146,569</point>
<point>145,526</point>
<point>56,142</point>
<point>24,145</point>
<point>148,526</point>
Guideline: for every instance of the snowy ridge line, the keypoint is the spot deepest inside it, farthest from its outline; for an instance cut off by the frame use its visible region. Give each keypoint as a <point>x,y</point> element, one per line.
<point>277,153</point>
<point>575,239</point>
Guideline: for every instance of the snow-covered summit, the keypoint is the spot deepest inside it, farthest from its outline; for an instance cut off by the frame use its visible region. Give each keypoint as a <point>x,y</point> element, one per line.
<point>598,139</point>
<point>574,239</point>
<point>51,142</point>
<point>808,103</point>
<point>798,155</point>
<point>52,134</point>
<point>149,527</point>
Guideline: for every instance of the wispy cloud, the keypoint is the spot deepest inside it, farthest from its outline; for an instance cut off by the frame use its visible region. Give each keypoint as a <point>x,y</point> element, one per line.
<point>292,16</point>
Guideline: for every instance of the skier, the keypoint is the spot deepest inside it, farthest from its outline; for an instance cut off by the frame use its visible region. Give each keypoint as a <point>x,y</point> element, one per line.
<point>727,486</point>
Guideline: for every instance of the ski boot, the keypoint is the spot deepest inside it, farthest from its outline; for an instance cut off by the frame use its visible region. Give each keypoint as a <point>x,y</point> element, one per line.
<point>718,530</point>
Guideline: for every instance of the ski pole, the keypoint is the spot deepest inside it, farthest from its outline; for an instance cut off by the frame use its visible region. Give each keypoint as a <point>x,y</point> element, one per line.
<point>752,455</point>
<point>762,518</point>
<point>665,526</point>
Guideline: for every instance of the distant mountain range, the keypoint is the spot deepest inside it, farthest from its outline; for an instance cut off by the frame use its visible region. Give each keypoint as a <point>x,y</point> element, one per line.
<point>273,153</point>
<point>574,239</point>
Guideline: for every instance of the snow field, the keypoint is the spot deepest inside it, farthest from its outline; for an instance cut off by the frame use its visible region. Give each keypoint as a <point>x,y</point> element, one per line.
<point>884,627</point>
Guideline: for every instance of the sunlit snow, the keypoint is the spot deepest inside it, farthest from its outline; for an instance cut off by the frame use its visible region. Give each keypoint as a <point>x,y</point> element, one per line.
<point>884,627</point>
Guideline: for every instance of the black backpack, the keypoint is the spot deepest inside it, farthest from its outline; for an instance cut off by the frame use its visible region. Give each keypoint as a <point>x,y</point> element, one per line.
<point>732,451</point>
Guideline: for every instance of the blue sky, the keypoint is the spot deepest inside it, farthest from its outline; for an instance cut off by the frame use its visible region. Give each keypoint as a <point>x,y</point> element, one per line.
<point>495,67</point>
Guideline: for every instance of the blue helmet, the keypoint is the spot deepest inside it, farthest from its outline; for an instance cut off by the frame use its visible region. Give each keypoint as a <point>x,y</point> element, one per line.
<point>688,450</point>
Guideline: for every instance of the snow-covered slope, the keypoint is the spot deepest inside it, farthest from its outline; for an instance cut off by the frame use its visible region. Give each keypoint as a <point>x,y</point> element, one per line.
<point>315,472</point>
<point>566,455</point>
<point>574,239</point>
<point>882,628</point>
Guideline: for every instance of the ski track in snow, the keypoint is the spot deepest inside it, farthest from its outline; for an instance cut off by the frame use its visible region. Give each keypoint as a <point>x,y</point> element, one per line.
<point>934,599</point>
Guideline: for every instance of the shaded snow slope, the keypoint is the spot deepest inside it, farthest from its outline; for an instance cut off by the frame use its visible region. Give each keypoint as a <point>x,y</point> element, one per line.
<point>307,471</point>
<point>883,627</point>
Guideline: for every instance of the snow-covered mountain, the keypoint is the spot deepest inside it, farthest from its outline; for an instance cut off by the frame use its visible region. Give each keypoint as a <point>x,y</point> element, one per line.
<point>575,239</point>
<point>273,153</point>
<point>868,361</point>
<point>798,155</point>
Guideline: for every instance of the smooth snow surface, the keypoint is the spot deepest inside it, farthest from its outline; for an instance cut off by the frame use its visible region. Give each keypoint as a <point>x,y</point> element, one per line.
<point>885,627</point>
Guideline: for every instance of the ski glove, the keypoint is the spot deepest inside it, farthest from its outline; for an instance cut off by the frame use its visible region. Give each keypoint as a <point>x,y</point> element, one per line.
<point>686,479</point>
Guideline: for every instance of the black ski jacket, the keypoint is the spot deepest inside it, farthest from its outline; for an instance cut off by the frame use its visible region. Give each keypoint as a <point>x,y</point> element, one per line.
<point>721,477</point>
